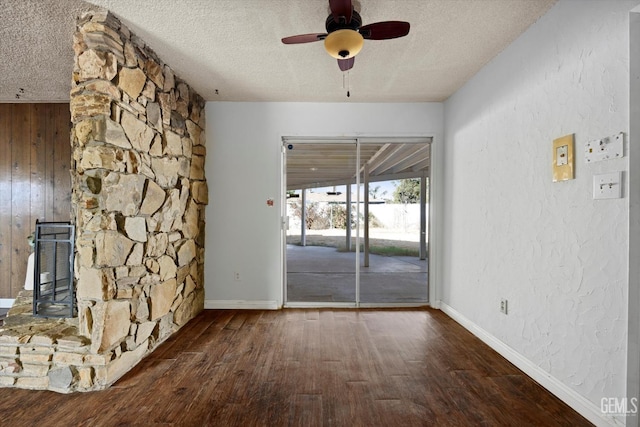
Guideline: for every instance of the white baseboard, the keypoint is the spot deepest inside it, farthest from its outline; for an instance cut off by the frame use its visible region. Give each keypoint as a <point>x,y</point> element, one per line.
<point>579,403</point>
<point>6,302</point>
<point>241,305</point>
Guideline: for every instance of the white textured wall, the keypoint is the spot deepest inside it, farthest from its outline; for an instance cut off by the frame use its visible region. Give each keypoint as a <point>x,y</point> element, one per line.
<point>244,170</point>
<point>557,255</point>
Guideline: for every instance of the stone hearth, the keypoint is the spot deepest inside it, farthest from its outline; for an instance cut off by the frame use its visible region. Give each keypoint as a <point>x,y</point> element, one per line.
<point>138,199</point>
<point>42,353</point>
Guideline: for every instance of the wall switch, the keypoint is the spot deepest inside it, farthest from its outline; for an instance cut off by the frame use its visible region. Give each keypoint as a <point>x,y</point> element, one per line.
<point>236,276</point>
<point>504,306</point>
<point>607,186</point>
<point>611,147</point>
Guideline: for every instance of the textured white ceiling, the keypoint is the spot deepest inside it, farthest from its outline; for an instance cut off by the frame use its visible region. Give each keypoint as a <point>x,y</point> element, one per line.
<point>233,46</point>
<point>36,48</point>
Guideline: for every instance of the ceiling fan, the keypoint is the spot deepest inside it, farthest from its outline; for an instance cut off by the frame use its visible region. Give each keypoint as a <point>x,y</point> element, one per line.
<point>345,34</point>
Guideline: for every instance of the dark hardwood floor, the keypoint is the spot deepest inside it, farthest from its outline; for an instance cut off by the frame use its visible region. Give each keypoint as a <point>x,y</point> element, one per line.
<point>327,367</point>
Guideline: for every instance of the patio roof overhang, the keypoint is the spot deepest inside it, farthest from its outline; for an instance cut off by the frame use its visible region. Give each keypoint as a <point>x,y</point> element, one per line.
<point>315,163</point>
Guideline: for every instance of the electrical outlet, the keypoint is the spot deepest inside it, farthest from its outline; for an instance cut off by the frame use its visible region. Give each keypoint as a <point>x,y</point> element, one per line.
<point>236,276</point>
<point>503,306</point>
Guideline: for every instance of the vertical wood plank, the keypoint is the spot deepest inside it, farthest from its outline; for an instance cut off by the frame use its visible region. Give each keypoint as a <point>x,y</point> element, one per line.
<point>49,176</point>
<point>62,164</point>
<point>5,200</point>
<point>20,193</point>
<point>38,147</point>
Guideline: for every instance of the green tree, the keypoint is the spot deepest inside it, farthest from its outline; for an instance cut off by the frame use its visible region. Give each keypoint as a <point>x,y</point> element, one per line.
<point>407,191</point>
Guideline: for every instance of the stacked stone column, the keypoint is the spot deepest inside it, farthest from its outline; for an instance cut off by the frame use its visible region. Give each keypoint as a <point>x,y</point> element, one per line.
<point>139,194</point>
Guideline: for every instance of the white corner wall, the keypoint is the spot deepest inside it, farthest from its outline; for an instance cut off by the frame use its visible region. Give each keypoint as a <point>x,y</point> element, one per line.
<point>633,350</point>
<point>559,257</point>
<point>244,170</point>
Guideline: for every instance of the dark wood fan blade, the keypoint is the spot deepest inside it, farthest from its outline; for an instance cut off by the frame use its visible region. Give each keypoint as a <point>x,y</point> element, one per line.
<point>304,38</point>
<point>341,8</point>
<point>346,64</point>
<point>385,30</point>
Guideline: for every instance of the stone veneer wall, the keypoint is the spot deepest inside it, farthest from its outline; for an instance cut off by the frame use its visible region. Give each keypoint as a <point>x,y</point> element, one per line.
<point>138,199</point>
<point>139,193</point>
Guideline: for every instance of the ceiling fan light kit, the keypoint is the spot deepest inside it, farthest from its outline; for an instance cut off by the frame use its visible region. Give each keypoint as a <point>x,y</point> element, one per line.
<point>344,44</point>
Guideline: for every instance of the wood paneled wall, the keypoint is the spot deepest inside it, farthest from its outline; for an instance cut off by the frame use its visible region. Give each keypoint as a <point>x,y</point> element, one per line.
<point>35,157</point>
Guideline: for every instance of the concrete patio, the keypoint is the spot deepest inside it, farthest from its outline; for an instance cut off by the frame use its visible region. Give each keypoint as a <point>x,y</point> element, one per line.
<point>322,274</point>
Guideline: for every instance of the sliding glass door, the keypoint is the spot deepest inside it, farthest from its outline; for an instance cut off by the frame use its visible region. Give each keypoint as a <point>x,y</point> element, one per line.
<point>356,221</point>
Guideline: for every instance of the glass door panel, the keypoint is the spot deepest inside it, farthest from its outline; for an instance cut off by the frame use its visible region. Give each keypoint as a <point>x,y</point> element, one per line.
<point>393,268</point>
<point>320,268</point>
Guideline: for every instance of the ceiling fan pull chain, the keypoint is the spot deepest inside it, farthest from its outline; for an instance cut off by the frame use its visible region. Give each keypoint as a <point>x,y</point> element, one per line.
<point>345,76</point>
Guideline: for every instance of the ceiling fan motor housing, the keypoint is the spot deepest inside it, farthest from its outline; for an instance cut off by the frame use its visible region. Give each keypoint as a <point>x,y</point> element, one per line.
<point>331,25</point>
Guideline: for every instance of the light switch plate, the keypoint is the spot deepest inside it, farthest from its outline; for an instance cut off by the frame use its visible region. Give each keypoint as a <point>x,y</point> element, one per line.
<point>607,186</point>
<point>611,147</point>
